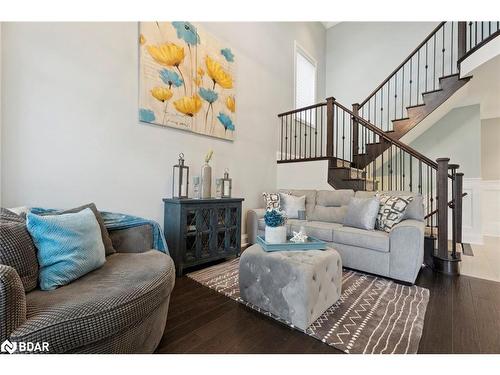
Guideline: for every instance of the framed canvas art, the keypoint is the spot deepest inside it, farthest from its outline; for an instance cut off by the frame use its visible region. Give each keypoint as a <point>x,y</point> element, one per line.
<point>186,79</point>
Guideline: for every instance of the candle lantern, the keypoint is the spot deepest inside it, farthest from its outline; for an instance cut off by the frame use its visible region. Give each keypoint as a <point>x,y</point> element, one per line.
<point>226,185</point>
<point>180,181</point>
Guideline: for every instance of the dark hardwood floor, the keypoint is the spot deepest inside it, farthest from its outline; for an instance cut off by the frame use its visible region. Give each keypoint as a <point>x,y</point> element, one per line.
<point>463,316</point>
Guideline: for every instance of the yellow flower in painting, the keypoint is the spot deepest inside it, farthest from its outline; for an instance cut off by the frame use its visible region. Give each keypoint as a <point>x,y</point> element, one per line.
<point>197,81</point>
<point>231,103</point>
<point>142,40</point>
<point>168,54</point>
<point>217,73</point>
<point>201,72</point>
<point>189,105</point>
<point>162,93</point>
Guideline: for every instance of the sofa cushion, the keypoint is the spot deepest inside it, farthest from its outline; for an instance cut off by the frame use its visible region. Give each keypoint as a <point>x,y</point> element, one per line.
<point>17,249</point>
<point>318,229</point>
<point>368,239</point>
<point>414,210</point>
<point>310,198</point>
<point>69,246</point>
<point>106,240</point>
<point>334,198</point>
<point>331,205</point>
<point>100,304</point>
<point>329,214</point>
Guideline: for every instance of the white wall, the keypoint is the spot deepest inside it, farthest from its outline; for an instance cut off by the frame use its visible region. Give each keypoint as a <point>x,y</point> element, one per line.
<point>457,136</point>
<point>71,133</point>
<point>360,55</point>
<point>305,175</point>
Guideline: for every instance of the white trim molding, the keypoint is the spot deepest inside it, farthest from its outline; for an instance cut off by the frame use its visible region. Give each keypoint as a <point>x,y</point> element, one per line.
<point>471,211</point>
<point>490,212</point>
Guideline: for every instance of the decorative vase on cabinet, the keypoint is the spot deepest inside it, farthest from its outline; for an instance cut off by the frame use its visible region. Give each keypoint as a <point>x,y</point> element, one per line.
<point>206,181</point>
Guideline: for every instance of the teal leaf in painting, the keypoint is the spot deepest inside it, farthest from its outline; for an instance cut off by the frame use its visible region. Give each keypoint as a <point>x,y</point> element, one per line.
<point>228,54</point>
<point>226,121</point>
<point>187,32</point>
<point>171,78</point>
<point>146,115</point>
<point>209,95</point>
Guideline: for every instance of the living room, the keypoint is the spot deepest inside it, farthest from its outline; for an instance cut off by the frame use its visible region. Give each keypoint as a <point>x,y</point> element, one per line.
<point>181,183</point>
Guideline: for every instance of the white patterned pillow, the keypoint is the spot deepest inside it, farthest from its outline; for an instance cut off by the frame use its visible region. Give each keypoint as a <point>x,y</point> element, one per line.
<point>272,201</point>
<point>392,210</point>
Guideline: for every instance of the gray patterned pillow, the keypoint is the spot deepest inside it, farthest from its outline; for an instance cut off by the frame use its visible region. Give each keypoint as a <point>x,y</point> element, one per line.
<point>17,249</point>
<point>272,201</point>
<point>392,210</point>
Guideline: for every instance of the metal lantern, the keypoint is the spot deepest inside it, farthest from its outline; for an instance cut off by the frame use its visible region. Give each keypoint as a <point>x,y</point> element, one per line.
<point>180,182</point>
<point>226,185</point>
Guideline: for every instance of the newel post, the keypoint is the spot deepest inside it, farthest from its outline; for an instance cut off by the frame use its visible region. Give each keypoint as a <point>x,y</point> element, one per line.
<point>355,130</point>
<point>459,177</point>
<point>442,206</point>
<point>462,39</point>
<point>329,125</point>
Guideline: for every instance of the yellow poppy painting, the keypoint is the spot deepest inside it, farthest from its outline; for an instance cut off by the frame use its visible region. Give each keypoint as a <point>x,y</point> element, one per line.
<point>186,79</point>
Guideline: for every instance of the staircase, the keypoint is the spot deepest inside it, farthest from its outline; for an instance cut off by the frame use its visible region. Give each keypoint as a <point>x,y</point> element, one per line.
<point>363,145</point>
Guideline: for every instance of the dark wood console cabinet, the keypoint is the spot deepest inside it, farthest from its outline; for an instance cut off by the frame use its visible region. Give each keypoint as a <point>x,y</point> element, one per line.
<point>202,230</point>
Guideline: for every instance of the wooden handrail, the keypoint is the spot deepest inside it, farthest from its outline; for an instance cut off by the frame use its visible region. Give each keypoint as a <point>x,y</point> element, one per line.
<point>450,203</point>
<point>388,138</point>
<point>404,62</point>
<point>302,109</point>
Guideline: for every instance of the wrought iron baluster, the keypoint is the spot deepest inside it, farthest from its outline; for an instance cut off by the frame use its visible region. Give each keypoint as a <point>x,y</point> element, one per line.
<point>321,139</point>
<point>389,168</point>
<point>426,65</point>
<point>382,108</point>
<point>451,48</point>
<point>418,77</point>
<point>316,132</point>
<point>411,76</point>
<point>420,176</point>
<point>337,153</point>
<point>411,173</point>
<point>470,35</point>
<point>442,67</point>
<point>434,69</point>
<point>281,140</point>
<point>389,126</point>
<point>475,33</point>
<point>403,93</point>
<point>382,170</point>
<point>310,131</point>
<point>395,93</point>
<point>343,136</point>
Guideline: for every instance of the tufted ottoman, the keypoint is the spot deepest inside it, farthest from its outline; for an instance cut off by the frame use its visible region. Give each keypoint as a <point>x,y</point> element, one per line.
<point>297,286</point>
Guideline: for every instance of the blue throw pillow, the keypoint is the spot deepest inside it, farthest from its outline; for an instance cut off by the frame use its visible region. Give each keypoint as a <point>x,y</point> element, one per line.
<point>69,246</point>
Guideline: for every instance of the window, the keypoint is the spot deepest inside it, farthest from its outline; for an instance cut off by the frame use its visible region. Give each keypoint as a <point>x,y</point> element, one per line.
<point>305,82</point>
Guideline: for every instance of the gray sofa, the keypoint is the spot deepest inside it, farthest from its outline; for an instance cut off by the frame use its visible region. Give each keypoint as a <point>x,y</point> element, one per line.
<point>119,308</point>
<point>397,255</point>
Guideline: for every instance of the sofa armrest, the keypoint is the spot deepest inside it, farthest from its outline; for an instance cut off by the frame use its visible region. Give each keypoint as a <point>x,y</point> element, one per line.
<point>132,240</point>
<point>406,250</point>
<point>12,301</point>
<point>253,217</point>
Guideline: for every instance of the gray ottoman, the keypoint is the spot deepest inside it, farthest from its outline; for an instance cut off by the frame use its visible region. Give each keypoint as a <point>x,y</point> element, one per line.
<point>297,286</point>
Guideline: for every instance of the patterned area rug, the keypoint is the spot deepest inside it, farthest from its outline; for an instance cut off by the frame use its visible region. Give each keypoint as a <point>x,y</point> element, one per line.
<point>374,315</point>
